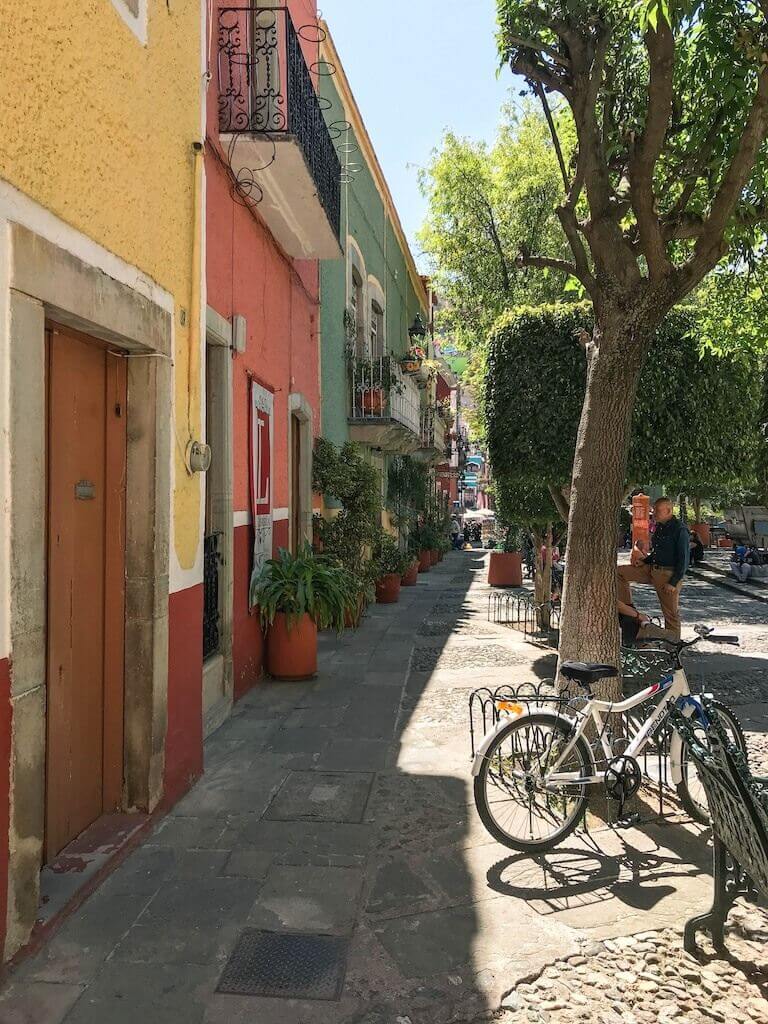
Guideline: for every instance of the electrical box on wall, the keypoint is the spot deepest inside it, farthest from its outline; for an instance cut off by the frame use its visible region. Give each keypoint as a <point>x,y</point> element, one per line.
<point>239,338</point>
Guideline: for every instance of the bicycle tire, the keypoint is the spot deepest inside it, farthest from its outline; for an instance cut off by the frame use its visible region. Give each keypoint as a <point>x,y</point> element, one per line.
<point>481,787</point>
<point>732,725</point>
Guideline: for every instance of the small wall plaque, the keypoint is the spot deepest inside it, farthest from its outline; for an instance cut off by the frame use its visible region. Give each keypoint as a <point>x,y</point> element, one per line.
<point>85,490</point>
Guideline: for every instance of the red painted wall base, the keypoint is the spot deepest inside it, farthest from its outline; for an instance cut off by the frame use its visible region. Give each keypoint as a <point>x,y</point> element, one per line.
<point>247,639</point>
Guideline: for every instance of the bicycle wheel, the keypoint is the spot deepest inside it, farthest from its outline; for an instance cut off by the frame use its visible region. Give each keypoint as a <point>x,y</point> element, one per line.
<point>510,796</point>
<point>690,789</point>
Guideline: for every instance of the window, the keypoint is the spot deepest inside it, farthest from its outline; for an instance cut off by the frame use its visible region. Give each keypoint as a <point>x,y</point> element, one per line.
<point>358,309</point>
<point>377,330</point>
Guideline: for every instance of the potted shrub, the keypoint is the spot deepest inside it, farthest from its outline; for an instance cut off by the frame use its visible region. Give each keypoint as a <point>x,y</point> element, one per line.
<point>421,539</point>
<point>295,595</point>
<point>506,564</point>
<point>412,360</point>
<point>391,563</point>
<point>411,576</point>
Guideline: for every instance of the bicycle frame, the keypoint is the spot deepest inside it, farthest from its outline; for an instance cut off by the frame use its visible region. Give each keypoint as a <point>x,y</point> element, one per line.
<point>674,686</point>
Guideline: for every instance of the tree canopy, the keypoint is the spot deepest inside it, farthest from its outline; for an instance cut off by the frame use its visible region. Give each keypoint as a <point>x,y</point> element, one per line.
<point>667,101</point>
<point>487,204</point>
<point>695,427</point>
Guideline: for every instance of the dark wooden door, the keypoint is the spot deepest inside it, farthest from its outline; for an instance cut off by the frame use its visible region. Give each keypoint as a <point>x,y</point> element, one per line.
<point>86,584</point>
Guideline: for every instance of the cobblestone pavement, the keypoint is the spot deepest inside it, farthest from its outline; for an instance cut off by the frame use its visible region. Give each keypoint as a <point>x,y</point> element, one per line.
<point>648,979</point>
<point>342,809</point>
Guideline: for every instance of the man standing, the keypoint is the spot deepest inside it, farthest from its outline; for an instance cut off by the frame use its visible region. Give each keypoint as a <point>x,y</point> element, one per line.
<point>663,568</point>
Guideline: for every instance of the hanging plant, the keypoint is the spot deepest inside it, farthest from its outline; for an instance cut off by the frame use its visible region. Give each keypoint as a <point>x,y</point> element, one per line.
<point>350,324</point>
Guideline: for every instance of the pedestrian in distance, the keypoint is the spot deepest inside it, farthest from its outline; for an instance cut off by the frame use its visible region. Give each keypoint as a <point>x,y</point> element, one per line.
<point>697,549</point>
<point>663,568</point>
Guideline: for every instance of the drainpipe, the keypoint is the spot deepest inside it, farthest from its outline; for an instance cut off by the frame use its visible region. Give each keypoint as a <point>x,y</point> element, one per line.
<point>195,307</point>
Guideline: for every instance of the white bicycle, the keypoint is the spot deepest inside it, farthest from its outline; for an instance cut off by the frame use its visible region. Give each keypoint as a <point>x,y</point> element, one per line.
<point>533,768</point>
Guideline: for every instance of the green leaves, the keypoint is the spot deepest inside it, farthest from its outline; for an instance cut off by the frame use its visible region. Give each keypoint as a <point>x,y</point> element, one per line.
<point>388,557</point>
<point>487,204</point>
<point>303,584</point>
<point>695,426</point>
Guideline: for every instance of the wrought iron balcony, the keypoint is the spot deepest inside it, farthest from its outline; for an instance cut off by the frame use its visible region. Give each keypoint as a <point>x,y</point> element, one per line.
<point>272,128</point>
<point>432,445</point>
<point>385,405</point>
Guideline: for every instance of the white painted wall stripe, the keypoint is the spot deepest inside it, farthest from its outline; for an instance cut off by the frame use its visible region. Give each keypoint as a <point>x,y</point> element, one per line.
<point>245,518</point>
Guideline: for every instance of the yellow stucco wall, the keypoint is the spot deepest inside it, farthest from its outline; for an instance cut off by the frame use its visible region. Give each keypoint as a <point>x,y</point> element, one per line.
<point>99,129</point>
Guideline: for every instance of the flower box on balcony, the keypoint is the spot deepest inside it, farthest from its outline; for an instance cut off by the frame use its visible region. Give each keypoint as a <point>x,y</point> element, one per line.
<point>409,365</point>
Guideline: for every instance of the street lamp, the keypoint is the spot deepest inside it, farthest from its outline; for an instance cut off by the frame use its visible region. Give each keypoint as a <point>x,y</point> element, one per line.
<point>418,328</point>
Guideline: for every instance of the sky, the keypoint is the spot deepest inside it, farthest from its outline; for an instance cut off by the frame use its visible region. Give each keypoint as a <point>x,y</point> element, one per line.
<point>418,67</point>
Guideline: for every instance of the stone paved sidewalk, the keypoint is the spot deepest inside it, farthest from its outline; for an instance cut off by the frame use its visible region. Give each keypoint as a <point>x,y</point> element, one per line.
<point>343,807</point>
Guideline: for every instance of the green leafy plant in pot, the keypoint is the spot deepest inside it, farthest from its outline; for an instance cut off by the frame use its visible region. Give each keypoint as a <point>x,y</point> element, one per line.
<point>391,563</point>
<point>296,594</point>
<point>506,565</point>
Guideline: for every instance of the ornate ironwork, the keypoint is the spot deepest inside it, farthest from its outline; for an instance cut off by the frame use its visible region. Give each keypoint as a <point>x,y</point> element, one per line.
<point>211,562</point>
<point>266,88</point>
<point>738,805</point>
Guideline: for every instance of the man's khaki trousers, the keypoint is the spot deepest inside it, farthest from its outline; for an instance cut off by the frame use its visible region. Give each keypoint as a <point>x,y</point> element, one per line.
<point>656,578</point>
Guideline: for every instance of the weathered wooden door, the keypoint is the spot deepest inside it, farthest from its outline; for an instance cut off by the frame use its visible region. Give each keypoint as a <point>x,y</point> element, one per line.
<point>86,584</point>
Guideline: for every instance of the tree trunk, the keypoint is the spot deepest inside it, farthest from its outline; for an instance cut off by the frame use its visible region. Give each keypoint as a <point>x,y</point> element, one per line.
<point>589,625</point>
<point>542,586</point>
<point>697,509</point>
<point>684,509</point>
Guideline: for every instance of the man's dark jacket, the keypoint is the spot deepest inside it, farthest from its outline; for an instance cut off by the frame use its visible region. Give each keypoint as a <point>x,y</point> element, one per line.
<point>671,548</point>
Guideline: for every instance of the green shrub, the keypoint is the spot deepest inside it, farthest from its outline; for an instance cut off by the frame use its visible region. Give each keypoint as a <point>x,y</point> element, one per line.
<point>303,584</point>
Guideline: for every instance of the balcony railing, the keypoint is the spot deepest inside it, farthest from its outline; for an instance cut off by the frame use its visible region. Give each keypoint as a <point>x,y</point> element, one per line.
<point>432,432</point>
<point>382,393</point>
<point>266,89</point>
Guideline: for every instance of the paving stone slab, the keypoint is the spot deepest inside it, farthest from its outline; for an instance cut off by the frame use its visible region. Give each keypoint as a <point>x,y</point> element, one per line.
<point>321,900</point>
<point>151,993</point>
<point>302,842</point>
<point>321,796</point>
<point>37,1002</point>
<point>356,755</point>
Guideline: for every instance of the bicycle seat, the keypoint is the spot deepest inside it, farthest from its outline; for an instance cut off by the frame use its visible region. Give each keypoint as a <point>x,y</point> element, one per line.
<point>585,673</point>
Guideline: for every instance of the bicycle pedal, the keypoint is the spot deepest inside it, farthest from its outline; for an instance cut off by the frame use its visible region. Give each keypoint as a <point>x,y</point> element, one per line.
<point>628,821</point>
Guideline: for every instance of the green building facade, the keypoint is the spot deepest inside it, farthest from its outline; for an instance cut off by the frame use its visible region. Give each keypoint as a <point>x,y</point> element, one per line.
<point>369,300</point>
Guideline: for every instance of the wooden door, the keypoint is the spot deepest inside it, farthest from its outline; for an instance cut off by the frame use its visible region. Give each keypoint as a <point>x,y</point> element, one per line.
<point>86,584</point>
<point>296,509</point>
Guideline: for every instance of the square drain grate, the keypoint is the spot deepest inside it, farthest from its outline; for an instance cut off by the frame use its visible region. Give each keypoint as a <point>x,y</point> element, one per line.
<point>288,966</point>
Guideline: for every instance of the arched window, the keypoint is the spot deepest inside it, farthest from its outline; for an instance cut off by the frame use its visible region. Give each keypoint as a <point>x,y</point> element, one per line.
<point>377,330</point>
<point>376,326</point>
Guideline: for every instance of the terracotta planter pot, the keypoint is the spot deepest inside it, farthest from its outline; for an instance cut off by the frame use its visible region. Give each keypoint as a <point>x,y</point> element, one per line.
<point>702,529</point>
<point>410,578</point>
<point>433,556</point>
<point>440,556</point>
<point>292,653</point>
<point>372,401</point>
<point>725,542</point>
<point>505,569</point>
<point>425,561</point>
<point>388,589</point>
